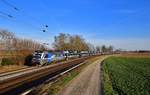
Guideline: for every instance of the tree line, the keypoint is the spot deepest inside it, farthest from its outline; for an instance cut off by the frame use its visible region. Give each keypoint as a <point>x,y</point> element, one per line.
<point>15,50</point>
<point>18,49</point>
<point>67,42</point>
<point>62,42</point>
<point>8,41</point>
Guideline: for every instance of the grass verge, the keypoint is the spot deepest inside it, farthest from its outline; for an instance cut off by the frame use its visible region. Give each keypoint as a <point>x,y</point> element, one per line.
<point>106,82</point>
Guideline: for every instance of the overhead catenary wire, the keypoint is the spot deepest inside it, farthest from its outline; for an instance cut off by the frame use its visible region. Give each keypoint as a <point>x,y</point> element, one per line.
<point>19,10</point>
<point>12,18</point>
<point>5,14</point>
<point>45,5</point>
<point>10,5</point>
<point>4,17</point>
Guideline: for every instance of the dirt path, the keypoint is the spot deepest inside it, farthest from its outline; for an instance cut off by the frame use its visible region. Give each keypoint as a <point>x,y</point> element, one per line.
<point>87,82</point>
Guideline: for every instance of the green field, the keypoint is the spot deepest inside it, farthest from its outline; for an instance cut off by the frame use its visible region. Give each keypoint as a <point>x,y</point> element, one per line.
<point>126,76</point>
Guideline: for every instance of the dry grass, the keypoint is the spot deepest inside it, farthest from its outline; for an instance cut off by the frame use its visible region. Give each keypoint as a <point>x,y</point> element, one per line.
<point>15,53</point>
<point>135,55</point>
<point>10,68</point>
<point>17,57</point>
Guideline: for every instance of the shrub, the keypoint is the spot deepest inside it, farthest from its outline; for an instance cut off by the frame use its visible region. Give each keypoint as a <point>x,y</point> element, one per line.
<point>7,61</point>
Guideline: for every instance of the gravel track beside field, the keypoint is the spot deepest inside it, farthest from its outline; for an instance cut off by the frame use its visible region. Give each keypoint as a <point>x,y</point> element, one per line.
<point>87,82</point>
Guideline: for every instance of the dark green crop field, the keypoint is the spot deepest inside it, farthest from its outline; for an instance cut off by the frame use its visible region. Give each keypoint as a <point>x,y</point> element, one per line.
<point>126,76</point>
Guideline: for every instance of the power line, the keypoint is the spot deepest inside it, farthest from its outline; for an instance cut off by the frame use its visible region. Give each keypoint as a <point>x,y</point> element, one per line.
<point>45,7</point>
<point>5,14</point>
<point>12,18</point>
<point>4,17</point>
<point>17,9</point>
<point>10,5</point>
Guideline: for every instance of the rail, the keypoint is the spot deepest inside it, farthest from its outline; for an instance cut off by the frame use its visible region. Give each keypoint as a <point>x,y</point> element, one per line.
<point>14,80</point>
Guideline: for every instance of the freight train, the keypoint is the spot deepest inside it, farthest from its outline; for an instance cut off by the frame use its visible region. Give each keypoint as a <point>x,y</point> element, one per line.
<point>45,57</point>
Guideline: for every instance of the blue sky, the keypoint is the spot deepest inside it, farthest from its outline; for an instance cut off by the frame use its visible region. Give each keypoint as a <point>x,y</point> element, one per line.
<point>122,23</point>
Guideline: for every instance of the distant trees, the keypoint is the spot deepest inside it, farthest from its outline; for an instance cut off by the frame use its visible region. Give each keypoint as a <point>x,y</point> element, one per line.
<point>107,49</point>
<point>78,43</point>
<point>110,48</point>
<point>8,41</point>
<point>16,49</point>
<point>98,49</point>
<point>91,47</point>
<point>64,42</point>
<point>26,44</point>
<point>61,42</point>
<point>104,48</point>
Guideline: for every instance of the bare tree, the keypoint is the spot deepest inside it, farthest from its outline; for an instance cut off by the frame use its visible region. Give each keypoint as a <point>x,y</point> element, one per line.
<point>70,43</point>
<point>91,47</point>
<point>78,43</point>
<point>6,39</point>
<point>110,48</point>
<point>17,47</point>
<point>62,42</point>
<point>104,48</point>
<point>98,49</point>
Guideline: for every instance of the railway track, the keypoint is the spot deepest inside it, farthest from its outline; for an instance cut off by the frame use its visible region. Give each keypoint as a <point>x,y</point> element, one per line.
<point>13,82</point>
<point>16,71</point>
<point>3,72</point>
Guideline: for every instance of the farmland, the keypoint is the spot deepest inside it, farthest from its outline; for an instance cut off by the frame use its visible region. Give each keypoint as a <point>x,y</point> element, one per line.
<point>126,76</point>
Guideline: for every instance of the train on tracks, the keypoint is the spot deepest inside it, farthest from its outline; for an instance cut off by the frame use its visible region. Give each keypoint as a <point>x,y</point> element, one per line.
<point>46,57</point>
